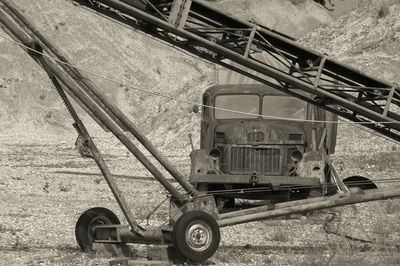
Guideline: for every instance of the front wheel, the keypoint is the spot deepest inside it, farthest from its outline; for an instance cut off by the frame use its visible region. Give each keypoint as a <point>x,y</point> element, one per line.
<point>196,236</point>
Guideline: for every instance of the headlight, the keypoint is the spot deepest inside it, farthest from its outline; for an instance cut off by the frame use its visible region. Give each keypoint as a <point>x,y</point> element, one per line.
<point>215,154</point>
<point>296,156</point>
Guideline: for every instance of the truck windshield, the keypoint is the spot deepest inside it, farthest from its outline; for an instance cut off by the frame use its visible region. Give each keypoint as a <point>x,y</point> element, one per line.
<point>284,106</point>
<point>246,104</point>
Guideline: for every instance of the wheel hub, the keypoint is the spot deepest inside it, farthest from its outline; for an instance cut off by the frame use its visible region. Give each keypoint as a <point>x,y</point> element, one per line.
<point>84,229</point>
<point>199,236</point>
<point>100,220</point>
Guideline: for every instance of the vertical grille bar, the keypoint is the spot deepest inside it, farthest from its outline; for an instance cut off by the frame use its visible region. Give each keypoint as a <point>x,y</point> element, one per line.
<point>249,160</point>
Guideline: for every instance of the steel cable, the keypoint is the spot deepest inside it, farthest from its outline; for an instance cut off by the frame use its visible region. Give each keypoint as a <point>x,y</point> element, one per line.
<point>191,102</point>
<point>205,106</point>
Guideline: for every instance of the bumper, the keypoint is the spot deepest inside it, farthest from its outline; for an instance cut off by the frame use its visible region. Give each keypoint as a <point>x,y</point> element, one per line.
<point>274,181</point>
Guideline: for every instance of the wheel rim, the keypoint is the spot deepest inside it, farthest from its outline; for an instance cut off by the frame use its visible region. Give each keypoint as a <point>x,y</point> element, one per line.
<point>91,218</point>
<point>100,220</point>
<point>198,236</point>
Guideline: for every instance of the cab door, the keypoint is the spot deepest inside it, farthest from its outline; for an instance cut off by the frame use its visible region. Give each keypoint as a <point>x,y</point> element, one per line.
<point>205,122</point>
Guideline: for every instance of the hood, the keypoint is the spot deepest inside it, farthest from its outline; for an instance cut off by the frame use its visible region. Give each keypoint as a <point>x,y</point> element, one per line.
<point>260,132</point>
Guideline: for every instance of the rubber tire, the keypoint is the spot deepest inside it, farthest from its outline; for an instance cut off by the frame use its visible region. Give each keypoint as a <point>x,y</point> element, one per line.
<point>83,225</point>
<point>359,181</point>
<point>178,236</point>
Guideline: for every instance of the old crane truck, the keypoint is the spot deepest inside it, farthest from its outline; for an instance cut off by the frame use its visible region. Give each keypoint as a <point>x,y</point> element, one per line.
<point>244,142</point>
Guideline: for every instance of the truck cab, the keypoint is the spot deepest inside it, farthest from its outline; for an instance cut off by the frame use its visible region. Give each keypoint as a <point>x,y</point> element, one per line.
<point>259,143</point>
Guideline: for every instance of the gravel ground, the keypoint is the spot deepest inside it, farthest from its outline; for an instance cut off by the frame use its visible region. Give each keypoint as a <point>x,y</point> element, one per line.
<point>45,186</point>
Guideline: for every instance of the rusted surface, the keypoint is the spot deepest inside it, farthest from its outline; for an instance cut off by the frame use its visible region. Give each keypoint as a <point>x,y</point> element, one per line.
<point>261,151</point>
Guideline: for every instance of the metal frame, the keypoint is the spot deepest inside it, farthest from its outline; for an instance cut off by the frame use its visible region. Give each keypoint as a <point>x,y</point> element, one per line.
<point>214,36</point>
<point>232,39</point>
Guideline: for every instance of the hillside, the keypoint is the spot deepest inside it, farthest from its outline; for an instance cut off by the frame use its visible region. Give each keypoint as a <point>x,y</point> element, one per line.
<point>367,38</point>
<point>28,103</point>
<point>292,17</point>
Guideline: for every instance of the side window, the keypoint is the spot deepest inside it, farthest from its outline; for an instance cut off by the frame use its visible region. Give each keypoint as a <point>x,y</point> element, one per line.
<point>206,102</point>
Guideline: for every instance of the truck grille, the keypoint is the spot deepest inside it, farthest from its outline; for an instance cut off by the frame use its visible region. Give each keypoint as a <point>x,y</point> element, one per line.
<point>250,160</point>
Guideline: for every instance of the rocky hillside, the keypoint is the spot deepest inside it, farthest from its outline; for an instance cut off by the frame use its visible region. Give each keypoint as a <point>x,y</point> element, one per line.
<point>293,17</point>
<point>28,102</point>
<point>367,38</point>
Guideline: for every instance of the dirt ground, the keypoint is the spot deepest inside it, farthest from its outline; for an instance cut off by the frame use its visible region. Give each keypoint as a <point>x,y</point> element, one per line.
<point>45,186</point>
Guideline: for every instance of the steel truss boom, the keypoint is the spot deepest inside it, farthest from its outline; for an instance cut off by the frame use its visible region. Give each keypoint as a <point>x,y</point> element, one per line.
<point>195,26</point>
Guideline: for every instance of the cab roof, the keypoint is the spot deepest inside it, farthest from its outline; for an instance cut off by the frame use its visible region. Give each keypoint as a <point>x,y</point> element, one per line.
<point>244,89</point>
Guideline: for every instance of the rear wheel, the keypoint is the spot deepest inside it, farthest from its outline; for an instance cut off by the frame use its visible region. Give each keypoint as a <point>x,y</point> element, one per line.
<point>360,182</point>
<point>224,203</point>
<point>84,232</point>
<point>196,236</point>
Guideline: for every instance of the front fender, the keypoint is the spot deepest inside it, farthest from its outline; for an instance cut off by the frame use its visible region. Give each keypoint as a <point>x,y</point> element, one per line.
<point>201,162</point>
<point>312,165</point>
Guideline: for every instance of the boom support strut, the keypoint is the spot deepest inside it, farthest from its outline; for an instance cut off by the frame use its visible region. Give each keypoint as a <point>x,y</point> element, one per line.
<point>89,96</point>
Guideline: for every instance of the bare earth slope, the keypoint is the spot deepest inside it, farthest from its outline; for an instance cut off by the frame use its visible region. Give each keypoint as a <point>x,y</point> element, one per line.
<point>293,17</point>
<point>27,101</point>
<point>368,39</point>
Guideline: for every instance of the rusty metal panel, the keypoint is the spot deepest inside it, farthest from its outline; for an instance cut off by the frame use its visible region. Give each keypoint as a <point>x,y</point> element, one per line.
<point>261,179</point>
<point>255,137</point>
<point>226,76</point>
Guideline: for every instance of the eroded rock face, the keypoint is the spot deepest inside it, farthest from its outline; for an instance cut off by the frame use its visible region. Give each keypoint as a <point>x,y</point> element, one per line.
<point>27,100</point>
<point>292,17</point>
<point>366,38</point>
